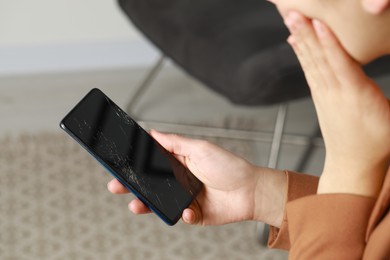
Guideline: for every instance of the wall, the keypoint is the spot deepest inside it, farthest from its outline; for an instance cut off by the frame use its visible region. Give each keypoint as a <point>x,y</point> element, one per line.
<point>42,36</point>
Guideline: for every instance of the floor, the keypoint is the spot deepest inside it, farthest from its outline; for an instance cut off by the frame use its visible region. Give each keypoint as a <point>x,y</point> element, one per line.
<point>55,205</point>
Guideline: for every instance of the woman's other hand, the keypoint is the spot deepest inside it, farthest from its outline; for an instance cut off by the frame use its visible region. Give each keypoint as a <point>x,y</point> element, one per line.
<point>353,112</point>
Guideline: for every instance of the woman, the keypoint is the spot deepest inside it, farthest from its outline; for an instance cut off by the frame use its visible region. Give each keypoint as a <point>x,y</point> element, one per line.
<point>344,214</point>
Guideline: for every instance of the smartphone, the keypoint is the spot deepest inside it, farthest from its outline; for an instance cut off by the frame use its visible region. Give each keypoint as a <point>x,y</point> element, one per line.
<point>132,156</point>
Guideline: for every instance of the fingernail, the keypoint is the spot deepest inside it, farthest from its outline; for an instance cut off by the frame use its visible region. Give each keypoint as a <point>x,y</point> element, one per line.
<point>319,28</point>
<point>288,20</point>
<point>187,217</point>
<point>109,185</point>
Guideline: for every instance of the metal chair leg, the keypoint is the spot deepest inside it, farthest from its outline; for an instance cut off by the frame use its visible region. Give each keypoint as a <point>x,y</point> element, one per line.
<point>262,229</point>
<point>145,84</point>
<point>306,156</point>
<point>277,137</point>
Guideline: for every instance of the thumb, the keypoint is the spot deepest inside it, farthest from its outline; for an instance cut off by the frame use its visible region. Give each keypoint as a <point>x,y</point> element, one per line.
<point>175,144</point>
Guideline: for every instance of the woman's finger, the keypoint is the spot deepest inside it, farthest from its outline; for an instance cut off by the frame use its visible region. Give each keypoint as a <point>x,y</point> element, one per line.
<point>348,72</point>
<point>300,36</point>
<point>189,217</point>
<point>173,143</point>
<point>138,207</point>
<point>114,186</point>
<point>192,215</point>
<point>309,52</point>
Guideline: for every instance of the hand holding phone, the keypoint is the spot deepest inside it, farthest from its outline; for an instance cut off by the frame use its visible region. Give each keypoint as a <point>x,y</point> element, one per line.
<point>130,154</point>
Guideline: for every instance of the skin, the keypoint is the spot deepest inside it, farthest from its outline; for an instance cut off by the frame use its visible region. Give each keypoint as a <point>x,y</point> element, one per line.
<point>364,36</point>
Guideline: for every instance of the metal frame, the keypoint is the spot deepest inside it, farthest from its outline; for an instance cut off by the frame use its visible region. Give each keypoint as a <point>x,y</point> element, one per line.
<point>145,83</point>
<point>277,137</point>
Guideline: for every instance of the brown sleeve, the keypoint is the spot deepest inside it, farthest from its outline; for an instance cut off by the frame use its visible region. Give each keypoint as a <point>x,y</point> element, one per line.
<point>328,226</point>
<point>298,185</point>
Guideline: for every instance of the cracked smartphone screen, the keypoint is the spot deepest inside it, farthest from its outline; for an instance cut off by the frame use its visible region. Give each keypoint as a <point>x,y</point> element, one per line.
<point>132,155</point>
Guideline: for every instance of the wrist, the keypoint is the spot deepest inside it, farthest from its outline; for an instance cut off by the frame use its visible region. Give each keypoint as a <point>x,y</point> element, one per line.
<point>270,196</point>
<point>354,178</point>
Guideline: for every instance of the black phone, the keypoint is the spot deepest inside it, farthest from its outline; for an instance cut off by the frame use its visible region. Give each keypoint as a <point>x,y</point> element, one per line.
<point>134,157</point>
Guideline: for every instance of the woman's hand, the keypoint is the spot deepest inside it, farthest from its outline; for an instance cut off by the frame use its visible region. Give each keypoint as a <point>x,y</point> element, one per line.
<point>353,113</point>
<point>234,190</point>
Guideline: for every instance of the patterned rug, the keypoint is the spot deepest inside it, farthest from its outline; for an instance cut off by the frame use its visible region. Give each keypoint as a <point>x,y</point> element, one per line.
<point>54,205</point>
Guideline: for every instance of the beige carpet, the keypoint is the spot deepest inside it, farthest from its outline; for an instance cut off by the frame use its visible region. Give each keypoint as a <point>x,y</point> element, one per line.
<point>54,205</point>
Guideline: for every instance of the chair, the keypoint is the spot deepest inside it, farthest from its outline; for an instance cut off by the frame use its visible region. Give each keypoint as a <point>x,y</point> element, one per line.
<point>237,48</point>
